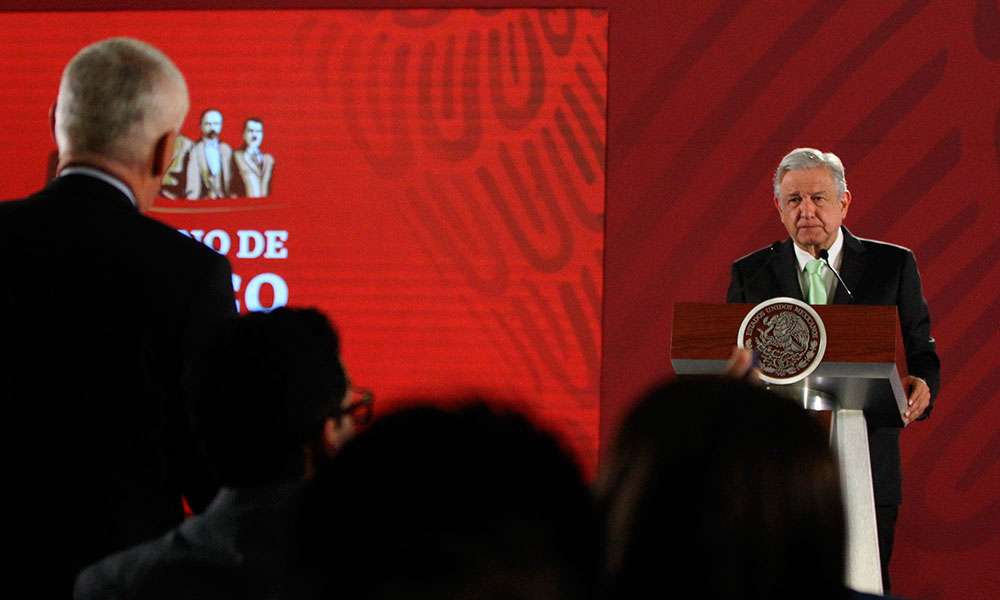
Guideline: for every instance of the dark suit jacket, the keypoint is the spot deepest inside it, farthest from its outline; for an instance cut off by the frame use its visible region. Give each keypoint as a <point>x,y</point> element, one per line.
<point>877,274</point>
<point>239,548</point>
<point>100,307</point>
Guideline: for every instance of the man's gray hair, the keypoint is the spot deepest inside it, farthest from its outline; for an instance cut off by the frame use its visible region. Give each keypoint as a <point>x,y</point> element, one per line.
<point>810,158</point>
<point>116,98</point>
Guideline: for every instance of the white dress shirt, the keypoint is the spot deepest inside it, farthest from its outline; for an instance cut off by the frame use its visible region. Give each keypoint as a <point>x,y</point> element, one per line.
<point>835,257</point>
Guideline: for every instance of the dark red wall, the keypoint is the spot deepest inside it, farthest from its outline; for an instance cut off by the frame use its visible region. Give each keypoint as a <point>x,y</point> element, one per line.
<point>704,99</point>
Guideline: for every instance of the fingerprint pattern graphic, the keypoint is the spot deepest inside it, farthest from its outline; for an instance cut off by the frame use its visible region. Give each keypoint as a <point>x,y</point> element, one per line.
<point>489,127</point>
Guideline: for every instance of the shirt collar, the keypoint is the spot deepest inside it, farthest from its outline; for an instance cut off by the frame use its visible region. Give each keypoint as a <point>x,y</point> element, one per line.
<point>833,254</point>
<point>103,176</point>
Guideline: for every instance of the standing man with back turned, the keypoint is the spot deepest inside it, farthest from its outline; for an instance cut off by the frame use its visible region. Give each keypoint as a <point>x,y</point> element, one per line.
<point>811,196</point>
<point>99,310</point>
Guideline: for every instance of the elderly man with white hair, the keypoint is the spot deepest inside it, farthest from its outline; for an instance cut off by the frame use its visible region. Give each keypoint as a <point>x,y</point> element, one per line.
<point>812,199</point>
<point>99,310</point>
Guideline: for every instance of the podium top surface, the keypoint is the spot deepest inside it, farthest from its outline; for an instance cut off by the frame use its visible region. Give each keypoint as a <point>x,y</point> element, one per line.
<point>862,368</point>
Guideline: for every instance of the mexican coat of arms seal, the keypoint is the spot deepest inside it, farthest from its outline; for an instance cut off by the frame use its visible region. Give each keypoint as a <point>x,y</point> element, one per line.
<point>788,337</point>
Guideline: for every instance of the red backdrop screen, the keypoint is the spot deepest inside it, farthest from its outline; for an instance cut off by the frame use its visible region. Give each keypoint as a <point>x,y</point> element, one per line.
<point>437,184</point>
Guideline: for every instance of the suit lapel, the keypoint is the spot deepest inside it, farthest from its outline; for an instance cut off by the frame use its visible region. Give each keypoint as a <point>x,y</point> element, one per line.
<point>252,165</point>
<point>786,270</point>
<point>200,156</point>
<point>852,265</point>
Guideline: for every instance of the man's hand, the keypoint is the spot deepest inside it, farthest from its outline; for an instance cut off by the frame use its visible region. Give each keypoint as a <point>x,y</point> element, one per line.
<point>918,398</point>
<point>741,365</point>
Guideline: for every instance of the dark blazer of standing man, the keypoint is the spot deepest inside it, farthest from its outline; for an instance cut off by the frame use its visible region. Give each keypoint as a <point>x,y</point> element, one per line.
<point>100,308</point>
<point>811,196</point>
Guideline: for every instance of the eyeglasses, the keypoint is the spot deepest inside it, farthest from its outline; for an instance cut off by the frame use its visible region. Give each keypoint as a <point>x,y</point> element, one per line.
<point>360,405</point>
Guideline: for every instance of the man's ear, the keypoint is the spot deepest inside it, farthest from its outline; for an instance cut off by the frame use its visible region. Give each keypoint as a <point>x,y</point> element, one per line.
<point>845,201</point>
<point>335,435</point>
<point>163,153</point>
<point>52,122</point>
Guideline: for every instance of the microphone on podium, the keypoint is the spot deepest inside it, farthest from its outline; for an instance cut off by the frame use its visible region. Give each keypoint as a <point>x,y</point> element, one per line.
<point>825,257</point>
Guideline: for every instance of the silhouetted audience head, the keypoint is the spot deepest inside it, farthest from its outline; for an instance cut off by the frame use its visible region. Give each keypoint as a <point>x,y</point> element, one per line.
<point>716,488</point>
<point>443,504</point>
<point>262,391</point>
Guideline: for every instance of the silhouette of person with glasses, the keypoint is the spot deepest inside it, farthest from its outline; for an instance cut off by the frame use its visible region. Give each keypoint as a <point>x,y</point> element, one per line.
<point>269,400</point>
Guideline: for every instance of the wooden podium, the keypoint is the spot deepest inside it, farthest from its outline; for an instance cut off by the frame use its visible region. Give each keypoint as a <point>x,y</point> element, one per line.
<point>859,381</point>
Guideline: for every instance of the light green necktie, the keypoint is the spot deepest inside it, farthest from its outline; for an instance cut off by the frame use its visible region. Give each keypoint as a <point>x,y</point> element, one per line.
<point>817,287</point>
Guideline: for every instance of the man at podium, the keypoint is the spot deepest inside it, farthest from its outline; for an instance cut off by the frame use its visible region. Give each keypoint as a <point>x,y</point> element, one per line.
<point>811,197</point>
